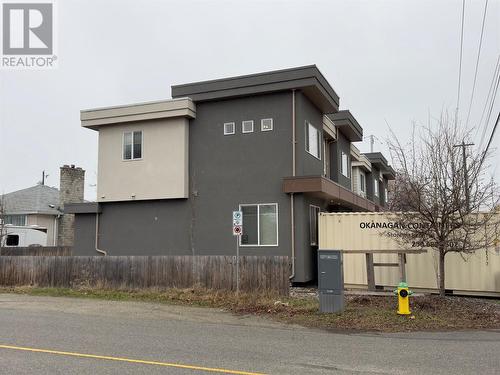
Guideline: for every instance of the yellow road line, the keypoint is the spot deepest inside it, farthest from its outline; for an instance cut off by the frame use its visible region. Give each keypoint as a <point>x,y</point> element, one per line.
<point>139,361</point>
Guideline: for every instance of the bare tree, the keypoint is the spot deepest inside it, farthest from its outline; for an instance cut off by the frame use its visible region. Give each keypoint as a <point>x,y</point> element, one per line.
<point>444,192</point>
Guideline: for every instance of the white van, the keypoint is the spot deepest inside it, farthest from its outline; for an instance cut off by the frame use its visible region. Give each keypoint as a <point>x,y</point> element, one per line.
<point>17,236</point>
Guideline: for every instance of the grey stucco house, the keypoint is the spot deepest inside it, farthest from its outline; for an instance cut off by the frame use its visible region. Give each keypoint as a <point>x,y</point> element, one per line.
<point>274,145</point>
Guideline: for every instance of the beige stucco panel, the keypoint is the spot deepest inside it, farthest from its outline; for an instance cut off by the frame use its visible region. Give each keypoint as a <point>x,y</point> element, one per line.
<point>162,172</point>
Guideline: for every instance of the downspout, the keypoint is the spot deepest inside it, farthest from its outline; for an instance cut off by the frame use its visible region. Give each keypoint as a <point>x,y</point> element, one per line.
<point>97,233</point>
<point>292,205</point>
<point>55,231</point>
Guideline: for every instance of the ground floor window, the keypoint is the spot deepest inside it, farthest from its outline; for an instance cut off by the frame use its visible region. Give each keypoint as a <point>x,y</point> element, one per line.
<point>260,224</point>
<point>313,224</point>
<point>17,220</point>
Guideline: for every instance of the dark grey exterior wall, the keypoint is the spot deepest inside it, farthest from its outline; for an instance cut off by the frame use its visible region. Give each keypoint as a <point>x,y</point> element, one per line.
<point>307,164</point>
<point>341,145</point>
<point>160,226</point>
<point>370,181</point>
<point>369,184</point>
<point>226,171</point>
<point>306,262</point>
<point>84,242</point>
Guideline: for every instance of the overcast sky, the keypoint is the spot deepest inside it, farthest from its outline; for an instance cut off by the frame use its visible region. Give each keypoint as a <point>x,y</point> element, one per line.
<point>392,61</point>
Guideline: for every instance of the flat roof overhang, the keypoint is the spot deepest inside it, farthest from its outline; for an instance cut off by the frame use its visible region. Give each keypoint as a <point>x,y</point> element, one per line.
<point>325,188</point>
<point>390,173</point>
<point>82,208</point>
<point>378,160</point>
<point>94,118</point>
<point>306,78</point>
<point>347,125</point>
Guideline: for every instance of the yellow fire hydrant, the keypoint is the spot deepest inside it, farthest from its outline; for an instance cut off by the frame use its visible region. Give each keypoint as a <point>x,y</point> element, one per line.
<point>403,298</point>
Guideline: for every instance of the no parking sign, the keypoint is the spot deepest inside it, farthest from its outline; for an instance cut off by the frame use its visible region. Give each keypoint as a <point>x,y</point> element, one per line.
<point>237,223</point>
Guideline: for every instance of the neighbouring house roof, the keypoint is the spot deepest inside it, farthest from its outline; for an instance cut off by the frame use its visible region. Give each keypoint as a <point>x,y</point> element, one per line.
<point>33,200</point>
<point>306,78</point>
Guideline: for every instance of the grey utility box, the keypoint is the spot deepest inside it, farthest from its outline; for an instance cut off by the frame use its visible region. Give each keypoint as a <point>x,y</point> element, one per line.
<point>330,281</point>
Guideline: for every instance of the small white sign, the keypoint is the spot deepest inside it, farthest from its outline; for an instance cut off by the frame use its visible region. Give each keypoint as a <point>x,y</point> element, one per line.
<point>237,217</point>
<point>237,223</point>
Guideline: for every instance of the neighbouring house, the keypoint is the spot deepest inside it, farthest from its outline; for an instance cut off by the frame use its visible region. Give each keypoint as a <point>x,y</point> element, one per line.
<point>41,207</point>
<point>273,145</point>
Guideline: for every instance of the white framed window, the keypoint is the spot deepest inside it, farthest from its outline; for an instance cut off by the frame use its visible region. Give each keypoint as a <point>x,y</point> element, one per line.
<point>266,124</point>
<point>326,157</point>
<point>17,220</point>
<point>260,224</point>
<point>229,128</point>
<point>132,145</point>
<point>386,197</point>
<point>344,165</point>
<point>313,141</point>
<point>362,181</point>
<point>313,224</point>
<point>375,187</point>
<point>247,126</point>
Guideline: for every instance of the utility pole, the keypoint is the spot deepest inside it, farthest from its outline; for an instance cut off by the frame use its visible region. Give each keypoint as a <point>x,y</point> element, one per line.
<point>44,176</point>
<point>372,141</point>
<point>466,173</point>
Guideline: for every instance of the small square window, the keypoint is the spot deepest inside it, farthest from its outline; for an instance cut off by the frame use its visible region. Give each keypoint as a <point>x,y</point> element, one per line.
<point>228,128</point>
<point>247,126</point>
<point>266,124</point>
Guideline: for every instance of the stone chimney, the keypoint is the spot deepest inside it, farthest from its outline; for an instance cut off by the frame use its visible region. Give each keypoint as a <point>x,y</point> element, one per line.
<point>71,187</point>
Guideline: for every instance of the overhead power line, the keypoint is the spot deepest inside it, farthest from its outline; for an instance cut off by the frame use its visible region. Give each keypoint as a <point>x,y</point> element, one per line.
<point>490,140</point>
<point>492,103</point>
<point>477,62</point>
<point>460,59</point>
<point>492,84</point>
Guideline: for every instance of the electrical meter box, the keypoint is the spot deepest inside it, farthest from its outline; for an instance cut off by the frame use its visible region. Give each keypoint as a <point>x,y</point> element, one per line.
<point>330,281</point>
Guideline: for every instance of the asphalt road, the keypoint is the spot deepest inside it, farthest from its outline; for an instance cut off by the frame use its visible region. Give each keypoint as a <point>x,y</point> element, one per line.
<point>82,336</point>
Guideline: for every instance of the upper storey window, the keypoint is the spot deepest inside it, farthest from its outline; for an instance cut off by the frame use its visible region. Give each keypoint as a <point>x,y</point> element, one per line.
<point>313,140</point>
<point>266,124</point>
<point>132,145</point>
<point>362,181</point>
<point>229,128</point>
<point>345,165</point>
<point>375,187</point>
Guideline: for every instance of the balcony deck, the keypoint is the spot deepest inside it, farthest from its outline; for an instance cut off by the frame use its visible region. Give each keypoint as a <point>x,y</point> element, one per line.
<point>325,188</point>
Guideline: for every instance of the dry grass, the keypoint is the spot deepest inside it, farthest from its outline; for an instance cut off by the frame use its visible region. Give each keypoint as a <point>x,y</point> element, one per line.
<point>362,313</point>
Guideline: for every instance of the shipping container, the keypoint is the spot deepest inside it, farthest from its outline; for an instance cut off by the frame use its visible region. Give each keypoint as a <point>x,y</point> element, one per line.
<point>477,273</point>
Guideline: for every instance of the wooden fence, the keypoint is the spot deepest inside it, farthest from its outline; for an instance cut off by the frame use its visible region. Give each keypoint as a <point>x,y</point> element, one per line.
<point>257,273</point>
<point>37,251</point>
